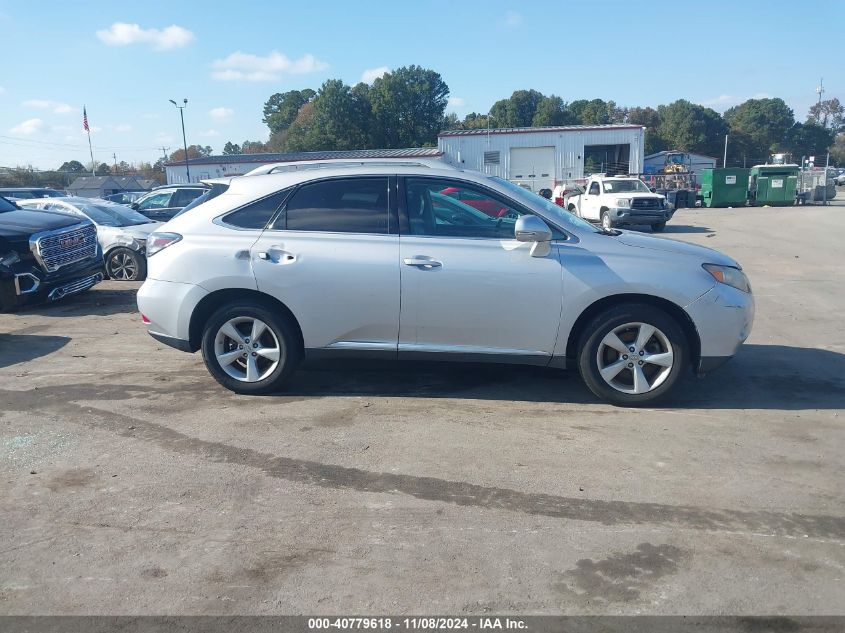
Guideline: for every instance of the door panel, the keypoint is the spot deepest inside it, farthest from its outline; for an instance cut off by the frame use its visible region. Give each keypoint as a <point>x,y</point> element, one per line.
<point>467,285</point>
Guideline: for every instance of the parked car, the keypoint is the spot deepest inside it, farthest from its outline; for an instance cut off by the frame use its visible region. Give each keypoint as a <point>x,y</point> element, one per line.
<point>620,200</point>
<point>22,193</point>
<point>317,263</point>
<point>125,197</point>
<point>45,256</point>
<point>840,179</point>
<point>121,232</point>
<point>162,203</point>
<point>562,193</point>
<point>480,201</point>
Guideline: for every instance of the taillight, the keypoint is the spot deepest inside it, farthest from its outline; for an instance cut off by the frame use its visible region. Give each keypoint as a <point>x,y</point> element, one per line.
<point>145,319</point>
<point>160,241</point>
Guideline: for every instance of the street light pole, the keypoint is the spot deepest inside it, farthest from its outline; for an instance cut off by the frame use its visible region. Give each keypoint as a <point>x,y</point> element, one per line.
<point>184,138</point>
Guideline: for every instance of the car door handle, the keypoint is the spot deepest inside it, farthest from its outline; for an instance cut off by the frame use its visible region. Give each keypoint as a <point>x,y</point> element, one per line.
<point>422,262</point>
<point>276,255</point>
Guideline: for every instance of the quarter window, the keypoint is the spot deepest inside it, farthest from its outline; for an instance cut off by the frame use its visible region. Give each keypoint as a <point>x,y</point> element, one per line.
<point>353,205</point>
<point>257,215</point>
<point>454,209</point>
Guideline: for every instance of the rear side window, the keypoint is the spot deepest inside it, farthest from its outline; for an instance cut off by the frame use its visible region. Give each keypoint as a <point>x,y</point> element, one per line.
<point>353,205</point>
<point>256,215</point>
<point>183,197</point>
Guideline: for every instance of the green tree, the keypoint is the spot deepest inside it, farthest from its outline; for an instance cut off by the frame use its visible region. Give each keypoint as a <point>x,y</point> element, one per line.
<point>300,135</point>
<point>103,169</point>
<point>72,166</point>
<point>764,122</point>
<point>281,109</point>
<point>691,127</point>
<point>407,107</point>
<point>650,120</point>
<point>476,121</point>
<point>231,148</point>
<point>552,110</point>
<point>253,147</point>
<point>808,139</point>
<point>340,120</point>
<point>837,152</point>
<point>828,114</point>
<point>593,112</point>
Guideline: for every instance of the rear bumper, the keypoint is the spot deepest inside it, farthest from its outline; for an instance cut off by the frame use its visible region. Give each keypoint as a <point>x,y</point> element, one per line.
<point>168,306</point>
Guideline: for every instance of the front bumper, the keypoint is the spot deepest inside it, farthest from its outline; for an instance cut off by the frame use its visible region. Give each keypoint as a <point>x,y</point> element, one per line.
<point>31,285</point>
<point>639,216</point>
<point>723,317</point>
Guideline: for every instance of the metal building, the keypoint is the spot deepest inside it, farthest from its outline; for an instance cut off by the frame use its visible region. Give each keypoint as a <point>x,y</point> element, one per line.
<point>541,157</point>
<point>239,164</point>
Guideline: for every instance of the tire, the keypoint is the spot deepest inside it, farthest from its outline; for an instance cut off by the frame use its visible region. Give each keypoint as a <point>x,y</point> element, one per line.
<point>658,227</point>
<point>666,346</point>
<point>227,335</point>
<point>124,264</point>
<point>606,222</point>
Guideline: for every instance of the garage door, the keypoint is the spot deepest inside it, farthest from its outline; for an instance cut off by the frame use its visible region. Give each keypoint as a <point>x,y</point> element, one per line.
<point>533,166</point>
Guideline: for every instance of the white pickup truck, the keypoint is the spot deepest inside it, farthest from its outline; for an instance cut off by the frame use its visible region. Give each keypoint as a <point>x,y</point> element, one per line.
<point>620,200</point>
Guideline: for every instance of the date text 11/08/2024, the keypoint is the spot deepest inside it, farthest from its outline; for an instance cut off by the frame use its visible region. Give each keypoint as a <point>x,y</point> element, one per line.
<point>416,624</point>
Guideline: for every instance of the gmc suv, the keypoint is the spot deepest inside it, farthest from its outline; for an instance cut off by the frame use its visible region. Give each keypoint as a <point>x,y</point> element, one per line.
<point>45,256</point>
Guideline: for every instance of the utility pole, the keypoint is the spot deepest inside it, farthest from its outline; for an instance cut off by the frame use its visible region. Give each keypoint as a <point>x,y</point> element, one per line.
<point>181,109</point>
<point>725,159</point>
<point>114,155</point>
<point>820,92</point>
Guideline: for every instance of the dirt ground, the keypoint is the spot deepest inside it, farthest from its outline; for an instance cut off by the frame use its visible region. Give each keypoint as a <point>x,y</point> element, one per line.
<point>131,483</point>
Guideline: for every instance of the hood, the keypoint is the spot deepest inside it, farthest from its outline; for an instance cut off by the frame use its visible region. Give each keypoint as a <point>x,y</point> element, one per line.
<point>141,231</point>
<point>705,255</point>
<point>22,223</point>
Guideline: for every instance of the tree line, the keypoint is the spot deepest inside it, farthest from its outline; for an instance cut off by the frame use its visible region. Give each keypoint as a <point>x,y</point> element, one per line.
<point>407,108</point>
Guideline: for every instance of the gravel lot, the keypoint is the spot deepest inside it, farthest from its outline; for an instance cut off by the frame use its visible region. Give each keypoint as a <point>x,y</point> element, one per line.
<point>130,483</point>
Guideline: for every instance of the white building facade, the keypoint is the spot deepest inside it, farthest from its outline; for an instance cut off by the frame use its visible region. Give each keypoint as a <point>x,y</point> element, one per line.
<point>540,158</point>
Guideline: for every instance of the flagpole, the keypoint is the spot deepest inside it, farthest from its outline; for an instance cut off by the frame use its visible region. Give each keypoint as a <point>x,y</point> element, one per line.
<point>90,149</point>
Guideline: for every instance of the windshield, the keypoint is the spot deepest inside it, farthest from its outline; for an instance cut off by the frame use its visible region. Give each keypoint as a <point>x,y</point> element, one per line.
<point>5,205</point>
<point>558,214</point>
<point>619,186</point>
<point>111,214</point>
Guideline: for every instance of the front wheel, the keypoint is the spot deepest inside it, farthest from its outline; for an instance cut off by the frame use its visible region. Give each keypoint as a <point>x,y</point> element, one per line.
<point>632,355</point>
<point>606,222</point>
<point>249,349</point>
<point>124,264</point>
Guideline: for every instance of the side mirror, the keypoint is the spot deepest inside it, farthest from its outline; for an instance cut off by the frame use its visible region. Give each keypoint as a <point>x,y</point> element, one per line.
<point>652,189</point>
<point>134,205</point>
<point>530,228</point>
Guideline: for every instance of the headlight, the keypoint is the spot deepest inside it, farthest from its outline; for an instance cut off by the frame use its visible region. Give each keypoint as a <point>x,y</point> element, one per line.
<point>160,241</point>
<point>623,203</point>
<point>127,241</point>
<point>729,276</point>
<point>10,258</point>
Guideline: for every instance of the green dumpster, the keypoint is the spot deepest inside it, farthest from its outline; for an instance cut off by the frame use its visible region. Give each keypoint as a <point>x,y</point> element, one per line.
<point>724,187</point>
<point>773,185</point>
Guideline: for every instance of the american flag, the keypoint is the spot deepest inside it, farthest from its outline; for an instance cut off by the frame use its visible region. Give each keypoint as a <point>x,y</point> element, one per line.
<point>85,120</point>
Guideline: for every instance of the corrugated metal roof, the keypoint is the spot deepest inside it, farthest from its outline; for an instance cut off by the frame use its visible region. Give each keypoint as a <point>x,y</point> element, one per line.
<point>289,157</point>
<point>535,130</point>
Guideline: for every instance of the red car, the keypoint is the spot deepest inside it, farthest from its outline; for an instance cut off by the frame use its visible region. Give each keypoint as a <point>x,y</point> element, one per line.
<point>485,205</point>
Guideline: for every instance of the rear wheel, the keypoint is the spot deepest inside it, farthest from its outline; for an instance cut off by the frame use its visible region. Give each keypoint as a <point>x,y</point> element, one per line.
<point>632,355</point>
<point>657,227</point>
<point>250,349</point>
<point>124,264</point>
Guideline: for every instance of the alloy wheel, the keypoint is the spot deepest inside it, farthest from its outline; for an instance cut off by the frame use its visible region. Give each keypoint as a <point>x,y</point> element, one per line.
<point>247,349</point>
<point>123,266</point>
<point>605,221</point>
<point>635,358</point>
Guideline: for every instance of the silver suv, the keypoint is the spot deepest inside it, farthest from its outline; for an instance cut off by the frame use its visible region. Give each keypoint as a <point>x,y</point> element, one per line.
<point>414,262</point>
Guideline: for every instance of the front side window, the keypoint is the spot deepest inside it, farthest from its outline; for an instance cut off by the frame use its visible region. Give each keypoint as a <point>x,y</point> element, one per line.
<point>594,189</point>
<point>452,209</point>
<point>347,205</point>
<point>156,201</point>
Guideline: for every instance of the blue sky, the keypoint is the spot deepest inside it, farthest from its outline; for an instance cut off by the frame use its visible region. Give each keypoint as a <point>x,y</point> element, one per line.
<point>125,60</point>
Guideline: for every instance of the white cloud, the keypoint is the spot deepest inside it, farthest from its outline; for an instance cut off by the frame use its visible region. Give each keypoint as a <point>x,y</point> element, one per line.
<point>124,34</point>
<point>513,19</point>
<point>209,133</point>
<point>221,114</point>
<point>457,102</point>
<point>247,67</point>
<point>723,102</point>
<point>122,127</point>
<point>371,74</point>
<point>43,104</point>
<point>28,127</point>
<point>163,137</point>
